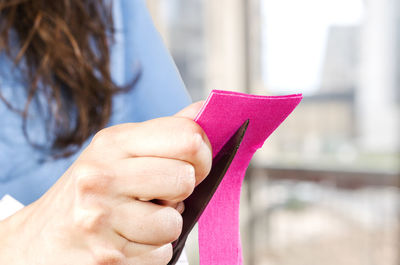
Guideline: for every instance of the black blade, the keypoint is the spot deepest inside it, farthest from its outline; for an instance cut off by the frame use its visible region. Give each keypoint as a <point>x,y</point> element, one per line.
<point>196,203</point>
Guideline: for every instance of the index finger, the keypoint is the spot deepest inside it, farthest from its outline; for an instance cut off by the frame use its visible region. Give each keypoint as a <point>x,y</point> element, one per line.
<point>170,137</point>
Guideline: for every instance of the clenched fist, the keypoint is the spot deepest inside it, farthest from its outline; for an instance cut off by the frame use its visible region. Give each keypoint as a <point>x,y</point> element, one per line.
<point>119,202</point>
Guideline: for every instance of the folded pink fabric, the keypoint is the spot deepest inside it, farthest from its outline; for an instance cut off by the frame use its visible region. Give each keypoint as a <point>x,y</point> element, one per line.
<point>222,114</point>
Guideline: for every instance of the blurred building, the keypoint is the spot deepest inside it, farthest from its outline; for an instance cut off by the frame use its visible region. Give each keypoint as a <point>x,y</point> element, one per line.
<point>378,104</point>
<point>186,41</point>
<point>215,44</point>
<point>325,188</point>
<point>339,73</point>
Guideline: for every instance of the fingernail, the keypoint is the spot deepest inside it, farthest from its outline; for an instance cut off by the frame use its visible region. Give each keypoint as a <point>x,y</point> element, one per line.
<point>180,207</point>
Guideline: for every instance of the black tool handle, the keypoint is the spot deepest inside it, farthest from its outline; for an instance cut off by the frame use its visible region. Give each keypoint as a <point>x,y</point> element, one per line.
<point>196,203</point>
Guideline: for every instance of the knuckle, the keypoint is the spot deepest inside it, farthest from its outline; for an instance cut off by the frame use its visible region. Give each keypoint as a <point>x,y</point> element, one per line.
<point>90,213</point>
<point>172,224</point>
<point>206,166</point>
<point>90,179</point>
<point>90,220</point>
<point>85,178</point>
<point>164,254</point>
<point>193,140</point>
<point>186,181</point>
<point>111,137</point>
<point>196,147</point>
<point>101,138</point>
<point>108,257</point>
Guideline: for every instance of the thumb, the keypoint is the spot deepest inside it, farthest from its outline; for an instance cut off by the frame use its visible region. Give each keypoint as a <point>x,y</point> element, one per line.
<point>190,111</point>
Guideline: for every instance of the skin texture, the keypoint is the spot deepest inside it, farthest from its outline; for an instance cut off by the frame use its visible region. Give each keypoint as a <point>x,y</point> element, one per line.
<point>119,202</point>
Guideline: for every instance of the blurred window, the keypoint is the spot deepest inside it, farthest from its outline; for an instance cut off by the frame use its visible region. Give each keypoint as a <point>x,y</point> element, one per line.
<point>325,187</point>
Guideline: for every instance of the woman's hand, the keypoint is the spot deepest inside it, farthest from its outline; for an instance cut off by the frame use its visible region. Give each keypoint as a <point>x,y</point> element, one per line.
<point>120,201</point>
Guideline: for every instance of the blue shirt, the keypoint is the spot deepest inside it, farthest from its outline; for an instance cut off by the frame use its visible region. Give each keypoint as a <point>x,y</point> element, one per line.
<point>24,173</point>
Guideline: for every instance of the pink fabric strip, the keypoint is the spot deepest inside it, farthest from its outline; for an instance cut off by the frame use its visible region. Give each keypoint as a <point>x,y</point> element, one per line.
<point>222,114</point>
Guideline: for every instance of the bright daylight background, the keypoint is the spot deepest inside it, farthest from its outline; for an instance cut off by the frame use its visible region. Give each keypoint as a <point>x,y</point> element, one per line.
<point>324,189</point>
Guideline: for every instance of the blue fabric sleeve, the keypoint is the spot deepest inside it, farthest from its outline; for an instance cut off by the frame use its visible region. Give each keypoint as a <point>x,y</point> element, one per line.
<point>159,92</point>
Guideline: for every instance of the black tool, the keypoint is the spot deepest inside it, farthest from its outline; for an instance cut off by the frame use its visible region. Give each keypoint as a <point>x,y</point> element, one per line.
<point>196,203</point>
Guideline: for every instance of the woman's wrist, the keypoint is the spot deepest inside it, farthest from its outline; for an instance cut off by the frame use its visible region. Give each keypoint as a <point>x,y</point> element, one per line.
<point>6,231</point>
<point>12,250</point>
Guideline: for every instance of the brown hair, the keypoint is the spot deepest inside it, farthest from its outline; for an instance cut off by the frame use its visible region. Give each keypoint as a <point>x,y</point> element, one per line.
<point>63,52</point>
